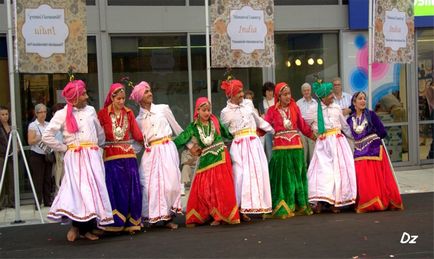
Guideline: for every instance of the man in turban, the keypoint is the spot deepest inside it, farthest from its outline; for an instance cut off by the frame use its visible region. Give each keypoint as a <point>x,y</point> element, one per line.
<point>331,173</point>
<point>159,167</point>
<point>250,165</point>
<point>83,196</point>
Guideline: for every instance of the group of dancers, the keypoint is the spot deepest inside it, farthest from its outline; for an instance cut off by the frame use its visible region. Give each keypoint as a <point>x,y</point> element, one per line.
<point>113,192</point>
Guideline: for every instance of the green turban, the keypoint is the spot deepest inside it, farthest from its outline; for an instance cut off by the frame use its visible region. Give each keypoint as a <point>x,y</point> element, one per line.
<point>321,90</point>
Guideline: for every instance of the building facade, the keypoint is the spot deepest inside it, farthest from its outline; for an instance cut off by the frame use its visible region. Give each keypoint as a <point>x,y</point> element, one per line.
<point>163,42</point>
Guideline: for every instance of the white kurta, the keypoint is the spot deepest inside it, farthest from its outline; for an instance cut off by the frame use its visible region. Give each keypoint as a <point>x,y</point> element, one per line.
<point>331,174</point>
<point>249,163</point>
<point>160,176</point>
<point>83,193</point>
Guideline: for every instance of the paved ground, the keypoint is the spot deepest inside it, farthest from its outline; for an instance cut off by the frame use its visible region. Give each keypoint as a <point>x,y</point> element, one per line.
<point>415,181</point>
<point>345,235</point>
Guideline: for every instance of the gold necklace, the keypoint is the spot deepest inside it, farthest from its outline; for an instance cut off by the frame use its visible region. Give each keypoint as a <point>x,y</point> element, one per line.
<point>286,117</point>
<point>119,128</point>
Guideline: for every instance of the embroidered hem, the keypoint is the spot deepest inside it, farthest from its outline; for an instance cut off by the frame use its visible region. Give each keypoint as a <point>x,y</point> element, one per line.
<point>163,217</point>
<point>288,147</point>
<point>64,213</point>
<point>215,212</point>
<point>256,211</point>
<point>222,161</point>
<point>375,158</point>
<point>393,206</point>
<point>332,201</point>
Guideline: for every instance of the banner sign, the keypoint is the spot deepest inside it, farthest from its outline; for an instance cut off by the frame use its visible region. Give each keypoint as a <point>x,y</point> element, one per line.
<point>393,31</point>
<point>51,36</point>
<point>242,33</point>
<point>423,8</point>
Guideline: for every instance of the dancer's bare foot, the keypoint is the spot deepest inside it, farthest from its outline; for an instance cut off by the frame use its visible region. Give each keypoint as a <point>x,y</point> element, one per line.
<point>245,218</point>
<point>335,210</point>
<point>171,225</point>
<point>215,223</point>
<point>72,234</point>
<point>317,208</point>
<point>91,236</point>
<point>97,232</point>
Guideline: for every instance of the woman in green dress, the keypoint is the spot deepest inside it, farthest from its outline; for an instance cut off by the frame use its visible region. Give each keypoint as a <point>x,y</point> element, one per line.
<point>212,192</point>
<point>287,165</point>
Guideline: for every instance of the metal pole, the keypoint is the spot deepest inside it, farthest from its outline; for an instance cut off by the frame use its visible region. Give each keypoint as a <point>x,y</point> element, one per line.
<point>13,115</point>
<point>14,133</point>
<point>370,46</point>
<point>190,77</point>
<point>208,55</point>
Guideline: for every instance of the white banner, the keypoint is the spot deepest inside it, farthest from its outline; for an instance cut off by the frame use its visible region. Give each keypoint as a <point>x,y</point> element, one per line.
<point>393,31</point>
<point>45,31</point>
<point>242,33</point>
<point>51,36</point>
<point>247,29</point>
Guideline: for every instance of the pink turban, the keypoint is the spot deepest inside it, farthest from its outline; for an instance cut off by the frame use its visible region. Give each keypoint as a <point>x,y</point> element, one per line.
<point>113,88</point>
<point>139,91</point>
<point>72,91</point>
<point>232,87</point>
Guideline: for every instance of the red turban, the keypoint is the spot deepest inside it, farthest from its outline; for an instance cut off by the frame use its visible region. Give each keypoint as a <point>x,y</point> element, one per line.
<point>232,87</point>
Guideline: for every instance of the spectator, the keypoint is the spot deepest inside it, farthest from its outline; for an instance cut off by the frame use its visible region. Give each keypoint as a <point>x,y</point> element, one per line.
<point>7,194</point>
<point>268,101</point>
<point>304,103</point>
<point>39,165</point>
<point>248,94</point>
<point>341,98</point>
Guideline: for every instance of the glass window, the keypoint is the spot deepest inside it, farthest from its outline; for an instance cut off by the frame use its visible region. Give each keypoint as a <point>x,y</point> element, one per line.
<point>391,106</point>
<point>160,60</point>
<point>90,2</point>
<point>301,57</point>
<point>147,2</point>
<point>425,59</point>
<point>4,73</point>
<point>251,77</point>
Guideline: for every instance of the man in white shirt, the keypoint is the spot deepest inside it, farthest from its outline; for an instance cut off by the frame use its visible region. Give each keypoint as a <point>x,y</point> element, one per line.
<point>249,163</point>
<point>331,174</point>
<point>160,176</point>
<point>83,195</point>
<point>304,104</point>
<point>341,98</point>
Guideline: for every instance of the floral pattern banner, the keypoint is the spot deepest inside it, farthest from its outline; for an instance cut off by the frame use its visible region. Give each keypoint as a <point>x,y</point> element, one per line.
<point>393,31</point>
<point>242,33</point>
<point>51,36</point>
